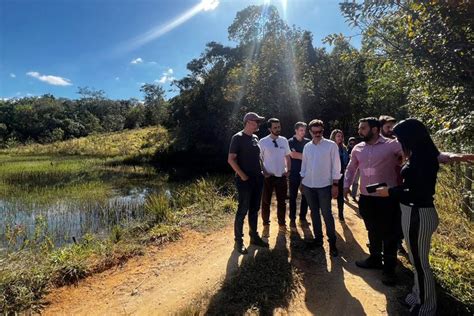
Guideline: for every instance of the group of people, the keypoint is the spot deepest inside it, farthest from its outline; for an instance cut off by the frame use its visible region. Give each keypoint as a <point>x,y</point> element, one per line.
<point>396,164</point>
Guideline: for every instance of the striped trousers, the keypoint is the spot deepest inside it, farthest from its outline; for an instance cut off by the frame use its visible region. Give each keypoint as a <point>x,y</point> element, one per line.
<point>418,226</point>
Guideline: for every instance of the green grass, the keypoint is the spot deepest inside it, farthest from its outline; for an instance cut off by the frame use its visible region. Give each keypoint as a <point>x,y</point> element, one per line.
<point>27,275</point>
<point>127,144</point>
<point>89,170</point>
<point>452,258</point>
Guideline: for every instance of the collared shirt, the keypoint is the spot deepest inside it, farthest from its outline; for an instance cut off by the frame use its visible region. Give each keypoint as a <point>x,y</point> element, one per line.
<point>274,156</point>
<point>296,146</point>
<point>321,164</point>
<point>377,163</point>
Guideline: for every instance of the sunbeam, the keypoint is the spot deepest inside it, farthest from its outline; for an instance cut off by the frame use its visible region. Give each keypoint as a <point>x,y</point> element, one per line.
<point>156,32</point>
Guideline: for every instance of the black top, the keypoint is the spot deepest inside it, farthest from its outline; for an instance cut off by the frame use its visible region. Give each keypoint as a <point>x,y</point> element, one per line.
<point>419,182</point>
<point>248,153</point>
<point>296,146</point>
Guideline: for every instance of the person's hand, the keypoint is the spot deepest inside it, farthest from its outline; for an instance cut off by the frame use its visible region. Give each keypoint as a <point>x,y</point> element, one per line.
<point>382,192</point>
<point>266,174</point>
<point>287,174</point>
<point>334,191</point>
<point>347,191</point>
<point>466,158</point>
<point>244,177</point>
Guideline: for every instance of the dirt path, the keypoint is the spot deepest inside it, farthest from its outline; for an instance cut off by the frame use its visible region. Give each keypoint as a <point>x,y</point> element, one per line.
<point>166,280</point>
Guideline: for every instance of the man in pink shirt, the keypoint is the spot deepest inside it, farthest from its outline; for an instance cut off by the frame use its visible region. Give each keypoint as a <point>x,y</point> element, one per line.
<point>376,158</point>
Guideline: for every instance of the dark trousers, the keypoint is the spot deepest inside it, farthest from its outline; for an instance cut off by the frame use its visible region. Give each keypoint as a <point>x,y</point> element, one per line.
<point>295,181</point>
<point>382,220</point>
<point>249,194</point>
<point>279,184</point>
<point>319,200</point>
<point>340,198</point>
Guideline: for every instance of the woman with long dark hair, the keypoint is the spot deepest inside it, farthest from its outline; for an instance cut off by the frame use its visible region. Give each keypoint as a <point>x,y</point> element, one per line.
<point>337,136</point>
<point>419,216</point>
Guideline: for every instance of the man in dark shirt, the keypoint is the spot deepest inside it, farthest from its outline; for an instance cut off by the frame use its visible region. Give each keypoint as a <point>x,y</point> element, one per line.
<point>297,143</point>
<point>244,158</point>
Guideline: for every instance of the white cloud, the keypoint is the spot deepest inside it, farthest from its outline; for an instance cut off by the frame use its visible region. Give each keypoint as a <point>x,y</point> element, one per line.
<point>153,63</point>
<point>52,80</point>
<point>137,61</point>
<point>117,78</point>
<point>12,75</point>
<point>167,77</point>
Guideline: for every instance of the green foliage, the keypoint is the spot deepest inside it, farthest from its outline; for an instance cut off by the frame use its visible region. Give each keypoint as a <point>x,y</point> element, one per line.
<point>26,274</point>
<point>453,244</point>
<point>275,71</point>
<point>158,208</point>
<point>46,119</point>
<point>430,45</point>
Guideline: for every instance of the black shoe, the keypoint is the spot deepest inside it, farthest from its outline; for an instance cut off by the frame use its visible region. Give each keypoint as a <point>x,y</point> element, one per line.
<point>389,278</point>
<point>333,250</point>
<point>369,263</point>
<point>292,224</point>
<point>304,222</point>
<point>240,248</point>
<point>341,219</point>
<point>401,301</point>
<point>266,231</point>
<point>259,242</point>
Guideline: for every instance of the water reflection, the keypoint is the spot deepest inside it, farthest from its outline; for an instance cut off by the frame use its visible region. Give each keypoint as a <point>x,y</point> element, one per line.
<point>65,219</point>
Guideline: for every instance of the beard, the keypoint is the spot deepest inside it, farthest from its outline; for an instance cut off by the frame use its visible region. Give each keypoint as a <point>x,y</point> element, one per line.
<point>277,133</point>
<point>368,137</point>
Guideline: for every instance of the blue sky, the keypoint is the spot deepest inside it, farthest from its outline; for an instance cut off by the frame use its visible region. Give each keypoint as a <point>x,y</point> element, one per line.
<point>56,46</point>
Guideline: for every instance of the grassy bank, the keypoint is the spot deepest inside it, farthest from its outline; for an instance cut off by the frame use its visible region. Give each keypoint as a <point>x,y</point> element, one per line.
<point>27,275</point>
<point>82,176</point>
<point>452,257</point>
<point>137,144</point>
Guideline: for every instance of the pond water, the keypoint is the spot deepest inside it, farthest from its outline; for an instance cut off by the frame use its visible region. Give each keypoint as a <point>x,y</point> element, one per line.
<point>68,198</point>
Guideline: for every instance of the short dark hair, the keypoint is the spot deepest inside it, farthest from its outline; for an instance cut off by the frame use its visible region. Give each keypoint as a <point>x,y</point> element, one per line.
<point>272,120</point>
<point>316,123</point>
<point>384,119</point>
<point>373,122</point>
<point>300,124</point>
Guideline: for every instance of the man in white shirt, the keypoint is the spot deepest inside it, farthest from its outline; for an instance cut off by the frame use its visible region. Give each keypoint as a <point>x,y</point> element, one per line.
<point>320,173</point>
<point>275,153</point>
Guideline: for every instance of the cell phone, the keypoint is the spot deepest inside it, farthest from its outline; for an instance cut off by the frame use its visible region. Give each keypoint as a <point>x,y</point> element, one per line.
<point>371,188</point>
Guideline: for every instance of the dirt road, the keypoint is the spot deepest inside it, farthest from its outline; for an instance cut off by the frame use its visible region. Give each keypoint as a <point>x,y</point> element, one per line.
<point>165,280</point>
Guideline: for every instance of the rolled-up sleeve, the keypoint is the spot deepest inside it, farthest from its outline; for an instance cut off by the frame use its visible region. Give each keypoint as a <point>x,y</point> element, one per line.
<point>351,169</point>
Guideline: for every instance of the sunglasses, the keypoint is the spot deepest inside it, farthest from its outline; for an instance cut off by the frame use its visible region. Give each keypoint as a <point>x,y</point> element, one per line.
<point>316,132</point>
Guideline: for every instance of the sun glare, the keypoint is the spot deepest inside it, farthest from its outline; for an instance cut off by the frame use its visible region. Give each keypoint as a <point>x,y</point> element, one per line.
<point>154,33</point>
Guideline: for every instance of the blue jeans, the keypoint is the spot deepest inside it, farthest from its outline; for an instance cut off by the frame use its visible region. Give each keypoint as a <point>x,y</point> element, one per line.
<point>319,200</point>
<point>249,195</point>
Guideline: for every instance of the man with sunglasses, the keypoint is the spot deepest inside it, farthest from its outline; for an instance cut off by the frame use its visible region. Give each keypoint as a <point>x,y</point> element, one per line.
<point>320,173</point>
<point>244,158</point>
<point>275,153</point>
